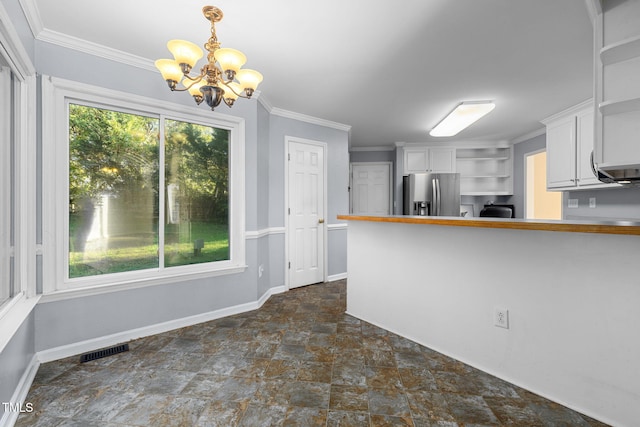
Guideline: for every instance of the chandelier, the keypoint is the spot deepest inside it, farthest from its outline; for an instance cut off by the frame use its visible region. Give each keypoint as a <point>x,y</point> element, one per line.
<point>221,78</point>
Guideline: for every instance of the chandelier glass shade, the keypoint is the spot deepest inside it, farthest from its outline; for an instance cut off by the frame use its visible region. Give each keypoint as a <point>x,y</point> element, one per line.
<point>222,78</point>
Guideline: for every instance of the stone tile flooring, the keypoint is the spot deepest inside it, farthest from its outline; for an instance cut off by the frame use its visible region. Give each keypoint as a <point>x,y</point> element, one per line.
<point>297,361</point>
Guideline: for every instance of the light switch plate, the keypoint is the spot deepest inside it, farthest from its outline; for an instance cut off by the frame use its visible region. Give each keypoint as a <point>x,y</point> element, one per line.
<point>573,203</point>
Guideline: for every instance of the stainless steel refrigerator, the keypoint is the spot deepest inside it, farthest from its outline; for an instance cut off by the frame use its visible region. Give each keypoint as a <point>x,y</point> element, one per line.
<point>433,194</point>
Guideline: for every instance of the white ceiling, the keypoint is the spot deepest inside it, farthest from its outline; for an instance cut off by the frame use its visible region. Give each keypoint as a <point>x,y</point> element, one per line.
<point>391,70</point>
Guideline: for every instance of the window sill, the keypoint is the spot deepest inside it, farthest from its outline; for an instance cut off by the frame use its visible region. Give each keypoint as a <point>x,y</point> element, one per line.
<point>13,315</point>
<point>78,292</point>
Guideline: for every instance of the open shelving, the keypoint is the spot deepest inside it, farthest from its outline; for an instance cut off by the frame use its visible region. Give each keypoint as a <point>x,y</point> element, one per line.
<point>485,170</point>
<point>617,83</point>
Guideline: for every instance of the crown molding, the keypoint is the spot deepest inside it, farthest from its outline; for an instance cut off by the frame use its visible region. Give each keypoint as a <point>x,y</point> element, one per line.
<point>528,136</point>
<point>32,14</point>
<point>571,110</point>
<point>462,143</point>
<point>96,49</point>
<point>40,33</point>
<point>374,148</point>
<point>10,43</point>
<point>310,119</point>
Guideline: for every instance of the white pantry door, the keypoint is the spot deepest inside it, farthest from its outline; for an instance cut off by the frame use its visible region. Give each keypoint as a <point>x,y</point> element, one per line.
<point>371,188</point>
<point>306,229</point>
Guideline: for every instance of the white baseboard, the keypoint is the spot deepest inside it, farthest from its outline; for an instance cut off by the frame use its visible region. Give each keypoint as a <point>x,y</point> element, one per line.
<point>335,277</point>
<point>68,350</point>
<point>20,394</point>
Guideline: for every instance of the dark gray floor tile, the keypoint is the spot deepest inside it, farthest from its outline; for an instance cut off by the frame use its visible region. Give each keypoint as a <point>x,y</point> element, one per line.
<point>305,417</point>
<point>347,419</point>
<point>470,410</point>
<point>297,361</point>
<point>349,398</point>
<point>390,421</point>
<point>349,374</point>
<point>161,410</point>
<point>236,390</point>
<point>221,414</point>
<point>263,416</point>
<point>388,401</point>
<point>315,372</point>
<point>308,394</point>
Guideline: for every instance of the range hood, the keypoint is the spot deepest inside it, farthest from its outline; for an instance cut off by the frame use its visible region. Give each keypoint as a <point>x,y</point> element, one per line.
<point>621,174</point>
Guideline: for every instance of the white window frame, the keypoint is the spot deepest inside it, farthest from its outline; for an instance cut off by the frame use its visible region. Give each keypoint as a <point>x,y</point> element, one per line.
<point>57,93</point>
<point>5,184</point>
<point>23,85</point>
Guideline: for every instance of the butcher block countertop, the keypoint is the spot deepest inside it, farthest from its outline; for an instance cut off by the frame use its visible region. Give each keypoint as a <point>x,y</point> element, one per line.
<point>601,227</point>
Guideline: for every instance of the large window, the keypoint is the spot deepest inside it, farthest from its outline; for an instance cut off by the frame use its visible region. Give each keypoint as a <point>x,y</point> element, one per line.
<point>113,191</point>
<point>152,192</point>
<point>115,222</point>
<point>197,183</point>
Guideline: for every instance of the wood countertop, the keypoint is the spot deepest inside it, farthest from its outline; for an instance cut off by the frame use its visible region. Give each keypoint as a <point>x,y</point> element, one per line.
<point>602,227</point>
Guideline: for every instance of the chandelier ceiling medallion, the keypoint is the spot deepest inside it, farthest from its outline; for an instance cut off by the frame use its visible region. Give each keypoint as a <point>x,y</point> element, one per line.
<point>221,78</point>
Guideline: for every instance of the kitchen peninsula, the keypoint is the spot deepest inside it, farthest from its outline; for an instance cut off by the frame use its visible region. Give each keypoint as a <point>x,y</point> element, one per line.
<point>571,291</point>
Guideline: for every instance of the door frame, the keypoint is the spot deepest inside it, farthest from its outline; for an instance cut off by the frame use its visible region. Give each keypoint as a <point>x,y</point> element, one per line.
<point>351,165</point>
<point>287,250</point>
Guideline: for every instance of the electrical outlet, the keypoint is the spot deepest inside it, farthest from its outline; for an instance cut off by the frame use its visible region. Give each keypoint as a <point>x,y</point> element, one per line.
<point>592,202</point>
<point>501,318</point>
<point>573,203</point>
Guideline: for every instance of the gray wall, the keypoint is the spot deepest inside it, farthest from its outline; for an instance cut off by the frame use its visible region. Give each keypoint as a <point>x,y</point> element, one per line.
<point>520,150</point>
<point>15,359</point>
<point>373,156</point>
<point>611,204</point>
<point>19,23</point>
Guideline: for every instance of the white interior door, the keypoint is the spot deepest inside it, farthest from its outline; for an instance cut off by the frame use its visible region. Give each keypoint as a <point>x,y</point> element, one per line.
<point>306,225</point>
<point>371,188</point>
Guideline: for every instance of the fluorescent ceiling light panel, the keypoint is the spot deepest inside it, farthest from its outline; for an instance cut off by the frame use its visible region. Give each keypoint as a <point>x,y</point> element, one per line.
<point>465,114</point>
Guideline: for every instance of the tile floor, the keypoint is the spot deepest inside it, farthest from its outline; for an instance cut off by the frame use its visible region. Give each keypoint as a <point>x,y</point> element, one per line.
<point>297,361</point>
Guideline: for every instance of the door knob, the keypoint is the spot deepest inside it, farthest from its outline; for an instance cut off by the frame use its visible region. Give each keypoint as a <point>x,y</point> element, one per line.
<point>321,221</point>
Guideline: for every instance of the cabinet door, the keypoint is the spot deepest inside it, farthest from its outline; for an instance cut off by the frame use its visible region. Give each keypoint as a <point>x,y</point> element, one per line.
<point>584,126</point>
<point>416,160</point>
<point>561,153</point>
<point>442,159</point>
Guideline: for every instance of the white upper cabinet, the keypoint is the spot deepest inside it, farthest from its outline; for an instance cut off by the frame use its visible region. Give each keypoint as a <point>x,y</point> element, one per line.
<point>429,159</point>
<point>561,153</point>
<point>570,143</point>
<point>585,175</point>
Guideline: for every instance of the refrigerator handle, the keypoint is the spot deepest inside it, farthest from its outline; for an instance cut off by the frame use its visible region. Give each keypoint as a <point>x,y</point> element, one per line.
<point>434,197</point>
<point>439,197</point>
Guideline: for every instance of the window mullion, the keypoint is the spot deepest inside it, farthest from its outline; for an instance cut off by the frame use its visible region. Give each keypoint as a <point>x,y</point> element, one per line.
<point>161,195</point>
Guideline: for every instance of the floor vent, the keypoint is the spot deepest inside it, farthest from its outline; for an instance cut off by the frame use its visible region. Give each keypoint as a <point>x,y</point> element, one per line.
<point>105,352</point>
